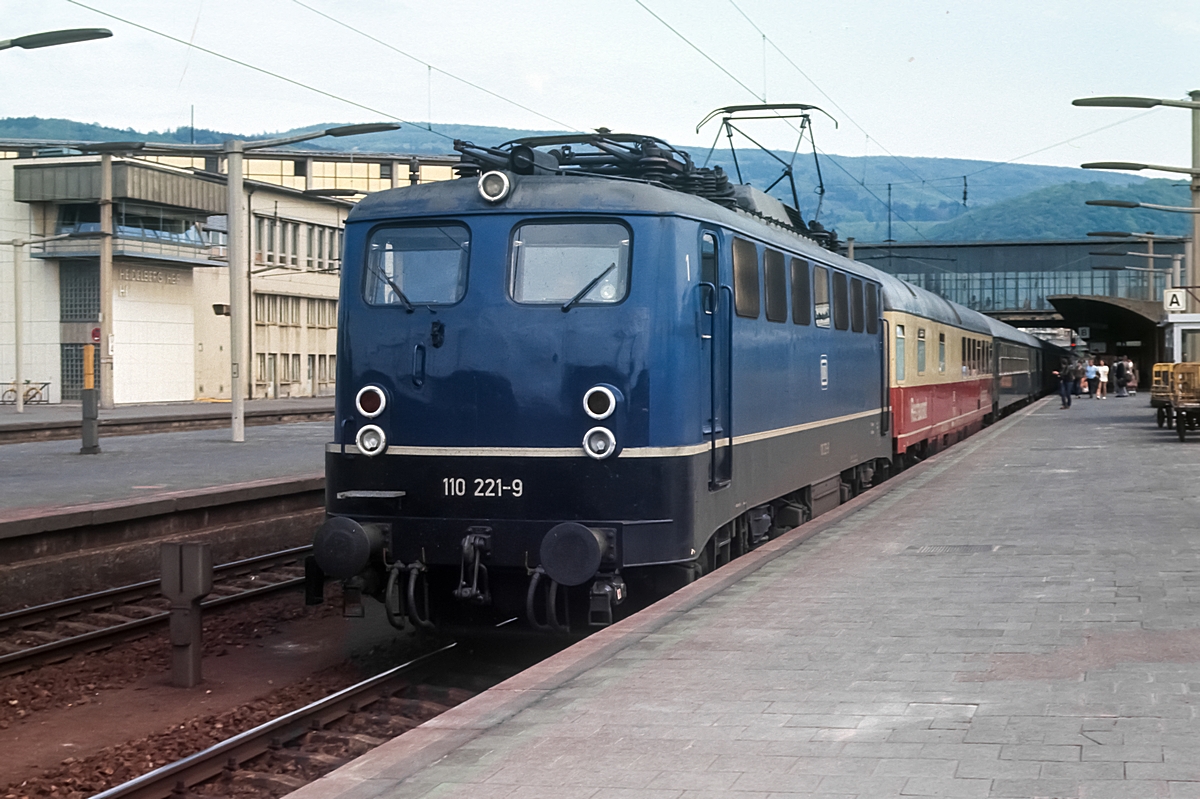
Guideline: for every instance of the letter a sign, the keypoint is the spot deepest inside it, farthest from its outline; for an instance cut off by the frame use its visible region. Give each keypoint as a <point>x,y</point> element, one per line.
<point>1174,300</point>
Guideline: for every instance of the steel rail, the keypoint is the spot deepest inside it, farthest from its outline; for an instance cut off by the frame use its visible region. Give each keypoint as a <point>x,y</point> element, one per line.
<point>179,776</point>
<point>55,611</point>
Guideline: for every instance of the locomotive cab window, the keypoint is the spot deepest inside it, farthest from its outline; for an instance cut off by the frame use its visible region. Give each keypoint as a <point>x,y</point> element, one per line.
<point>708,258</point>
<point>578,263</point>
<point>821,296</point>
<point>841,301</point>
<point>745,278</point>
<point>801,295</point>
<point>416,265</point>
<point>776,284</point>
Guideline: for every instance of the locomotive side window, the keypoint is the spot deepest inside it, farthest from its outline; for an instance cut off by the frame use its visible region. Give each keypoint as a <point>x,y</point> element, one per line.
<point>920,350</point>
<point>745,278</point>
<point>416,265</point>
<point>856,305</point>
<point>801,296</point>
<point>872,310</point>
<point>708,258</point>
<point>821,295</point>
<point>899,352</point>
<point>841,301</point>
<point>776,283</point>
<point>570,264</point>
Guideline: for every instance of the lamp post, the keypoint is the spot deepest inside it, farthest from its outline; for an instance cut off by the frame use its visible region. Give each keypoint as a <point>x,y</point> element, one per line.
<point>237,250</point>
<point>52,38</point>
<point>1150,102</point>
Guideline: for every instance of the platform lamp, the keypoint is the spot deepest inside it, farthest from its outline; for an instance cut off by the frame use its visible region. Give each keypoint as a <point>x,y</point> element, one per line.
<point>34,41</point>
<point>1194,171</point>
<point>237,248</point>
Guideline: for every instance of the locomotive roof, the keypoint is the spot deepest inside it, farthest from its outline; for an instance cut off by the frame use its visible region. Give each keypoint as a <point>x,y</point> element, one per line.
<point>591,194</point>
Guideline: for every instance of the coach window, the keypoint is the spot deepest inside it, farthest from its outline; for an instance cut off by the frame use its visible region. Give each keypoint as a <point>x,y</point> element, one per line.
<point>745,278</point>
<point>801,295</point>
<point>569,264</point>
<point>775,277</point>
<point>872,310</point>
<point>899,352</point>
<point>841,301</point>
<point>821,295</point>
<point>920,350</point>
<point>856,305</point>
<point>416,265</point>
<point>965,368</point>
<point>941,352</point>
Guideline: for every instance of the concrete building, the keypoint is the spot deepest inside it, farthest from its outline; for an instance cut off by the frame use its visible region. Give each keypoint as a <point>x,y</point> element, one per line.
<point>170,280</point>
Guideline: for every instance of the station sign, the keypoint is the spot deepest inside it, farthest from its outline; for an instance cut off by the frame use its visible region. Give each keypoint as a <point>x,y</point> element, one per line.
<point>1085,332</point>
<point>1175,300</point>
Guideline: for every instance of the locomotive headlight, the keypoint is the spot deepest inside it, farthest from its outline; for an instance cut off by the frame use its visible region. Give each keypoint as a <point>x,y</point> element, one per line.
<point>371,440</point>
<point>370,401</point>
<point>599,402</point>
<point>494,186</point>
<point>599,443</point>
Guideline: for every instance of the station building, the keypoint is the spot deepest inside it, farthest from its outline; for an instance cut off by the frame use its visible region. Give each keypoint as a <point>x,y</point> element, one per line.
<point>170,279</point>
<point>1081,285</point>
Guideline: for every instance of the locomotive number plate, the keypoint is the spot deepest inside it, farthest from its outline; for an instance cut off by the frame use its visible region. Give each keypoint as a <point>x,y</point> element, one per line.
<point>481,487</point>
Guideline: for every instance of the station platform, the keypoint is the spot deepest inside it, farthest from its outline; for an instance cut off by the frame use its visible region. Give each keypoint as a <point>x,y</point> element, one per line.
<point>1014,617</point>
<point>53,474</point>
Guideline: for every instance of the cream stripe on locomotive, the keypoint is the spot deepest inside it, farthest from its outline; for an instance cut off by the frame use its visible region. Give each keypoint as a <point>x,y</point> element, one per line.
<point>631,452</point>
<point>934,353</point>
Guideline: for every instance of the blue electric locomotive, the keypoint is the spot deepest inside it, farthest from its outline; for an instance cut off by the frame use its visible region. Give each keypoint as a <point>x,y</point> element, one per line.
<point>586,370</point>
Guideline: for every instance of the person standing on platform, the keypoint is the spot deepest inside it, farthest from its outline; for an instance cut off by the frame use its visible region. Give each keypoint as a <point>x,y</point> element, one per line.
<point>1093,378</point>
<point>1120,376</point>
<point>1102,374</point>
<point>1065,382</point>
<point>1131,377</point>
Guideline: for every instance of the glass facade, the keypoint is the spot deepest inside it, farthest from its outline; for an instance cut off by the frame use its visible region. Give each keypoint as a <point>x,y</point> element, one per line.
<point>1020,276</point>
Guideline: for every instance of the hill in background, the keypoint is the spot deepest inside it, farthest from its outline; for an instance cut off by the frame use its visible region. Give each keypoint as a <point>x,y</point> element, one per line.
<point>1004,201</point>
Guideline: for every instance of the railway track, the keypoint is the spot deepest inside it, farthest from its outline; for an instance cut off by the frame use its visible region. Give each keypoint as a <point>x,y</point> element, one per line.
<point>288,752</point>
<point>58,630</point>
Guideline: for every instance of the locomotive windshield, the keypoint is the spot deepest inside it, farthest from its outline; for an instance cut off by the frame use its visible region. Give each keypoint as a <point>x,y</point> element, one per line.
<point>416,265</point>
<point>570,264</point>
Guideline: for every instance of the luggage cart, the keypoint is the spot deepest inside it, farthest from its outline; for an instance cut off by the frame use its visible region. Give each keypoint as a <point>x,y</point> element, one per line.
<point>1160,394</point>
<point>1185,397</point>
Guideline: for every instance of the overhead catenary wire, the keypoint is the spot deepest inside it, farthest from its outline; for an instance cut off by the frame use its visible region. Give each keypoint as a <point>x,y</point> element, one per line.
<point>248,65</point>
<point>431,68</point>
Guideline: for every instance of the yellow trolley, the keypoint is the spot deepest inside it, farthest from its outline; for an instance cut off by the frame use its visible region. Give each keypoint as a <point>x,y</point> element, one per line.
<point>1160,394</point>
<point>1185,397</point>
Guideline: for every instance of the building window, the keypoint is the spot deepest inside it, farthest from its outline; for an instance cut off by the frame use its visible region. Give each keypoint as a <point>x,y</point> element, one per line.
<point>899,352</point>
<point>311,251</point>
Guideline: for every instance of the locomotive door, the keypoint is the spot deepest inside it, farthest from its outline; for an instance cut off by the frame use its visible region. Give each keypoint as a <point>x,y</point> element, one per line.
<point>716,335</point>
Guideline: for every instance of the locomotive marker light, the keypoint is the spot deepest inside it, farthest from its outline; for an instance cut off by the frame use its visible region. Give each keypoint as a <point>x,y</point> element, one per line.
<point>599,443</point>
<point>370,401</point>
<point>371,440</point>
<point>599,402</point>
<point>494,186</point>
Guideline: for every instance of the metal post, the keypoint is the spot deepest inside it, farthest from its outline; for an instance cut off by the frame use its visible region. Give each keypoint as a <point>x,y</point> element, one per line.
<point>186,579</point>
<point>91,413</point>
<point>238,310</point>
<point>19,324</point>
<point>1150,267</point>
<point>107,339</point>
<point>414,171</point>
<point>850,247</point>
<point>1176,270</point>
<point>1195,187</point>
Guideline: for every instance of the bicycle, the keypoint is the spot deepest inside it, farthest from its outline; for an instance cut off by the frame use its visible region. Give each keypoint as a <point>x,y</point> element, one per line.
<point>35,393</point>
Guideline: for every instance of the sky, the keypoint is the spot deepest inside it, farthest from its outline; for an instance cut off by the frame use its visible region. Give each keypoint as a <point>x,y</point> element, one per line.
<point>954,79</point>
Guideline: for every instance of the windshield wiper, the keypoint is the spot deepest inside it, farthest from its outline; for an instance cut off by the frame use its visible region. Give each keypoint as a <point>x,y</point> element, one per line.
<point>408,306</point>
<point>584,291</point>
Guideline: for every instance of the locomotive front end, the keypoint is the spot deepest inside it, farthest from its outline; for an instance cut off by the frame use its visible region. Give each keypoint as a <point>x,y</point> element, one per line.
<point>493,366</point>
